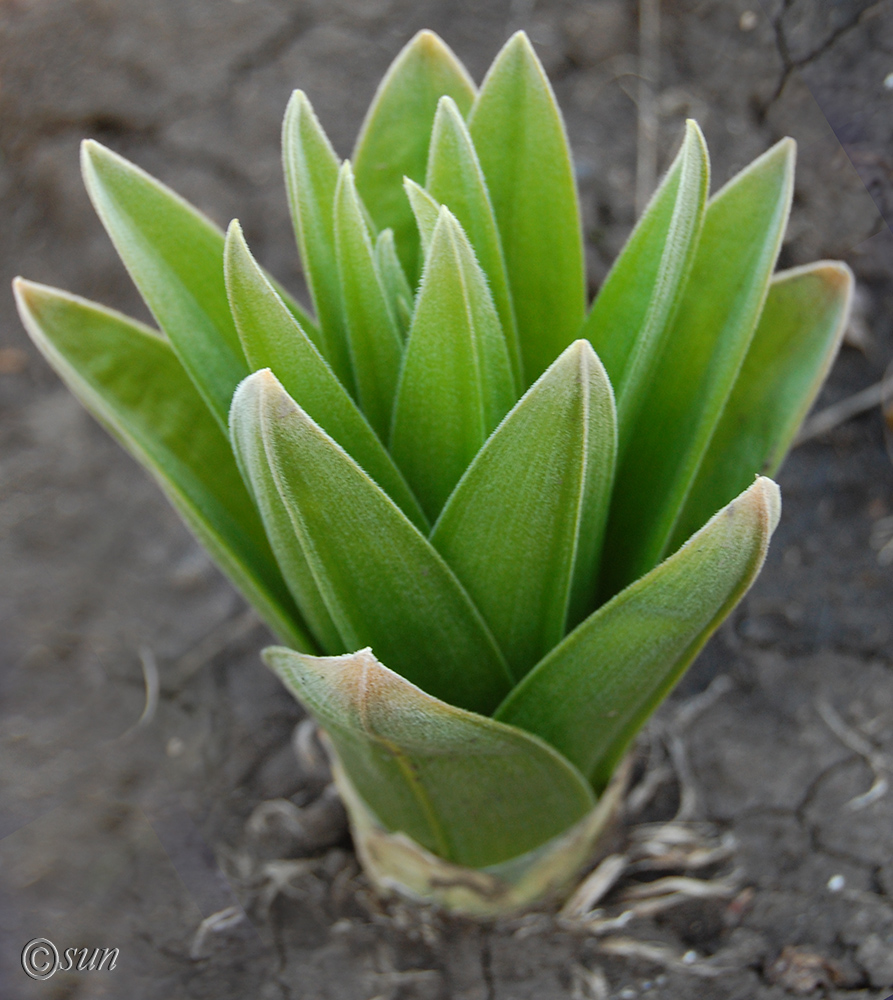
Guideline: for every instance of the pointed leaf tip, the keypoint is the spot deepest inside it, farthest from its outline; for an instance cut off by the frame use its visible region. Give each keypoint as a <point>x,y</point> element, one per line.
<point>522,530</point>
<point>396,133</point>
<point>590,695</point>
<point>382,582</point>
<point>521,142</point>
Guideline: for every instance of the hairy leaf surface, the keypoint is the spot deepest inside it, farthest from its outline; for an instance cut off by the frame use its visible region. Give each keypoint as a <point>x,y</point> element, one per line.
<point>383,583</point>
<point>705,349</point>
<point>273,339</point>
<point>311,175</point>
<point>128,377</point>
<point>635,308</point>
<point>395,136</point>
<point>249,447</point>
<point>523,528</point>
<point>420,764</point>
<point>454,178</point>
<point>456,383</point>
<point>520,139</point>
<point>175,257</point>
<point>376,346</point>
<point>398,292</point>
<point>790,355</point>
<point>591,694</point>
<point>426,211</point>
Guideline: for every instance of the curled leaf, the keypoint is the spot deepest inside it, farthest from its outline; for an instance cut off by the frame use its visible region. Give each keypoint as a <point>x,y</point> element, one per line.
<point>471,790</point>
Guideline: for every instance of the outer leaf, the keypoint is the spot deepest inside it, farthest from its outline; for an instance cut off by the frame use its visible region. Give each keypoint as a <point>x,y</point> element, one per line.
<point>425,210</point>
<point>709,339</point>
<point>382,581</point>
<point>273,339</point>
<point>454,178</point>
<point>311,176</point>
<point>457,382</point>
<point>397,290</point>
<point>591,694</point>
<point>248,444</point>
<point>635,308</point>
<point>523,528</point>
<point>790,355</point>
<point>469,789</point>
<point>520,139</point>
<point>394,139</point>
<point>175,256</point>
<point>376,346</point>
<point>129,379</point>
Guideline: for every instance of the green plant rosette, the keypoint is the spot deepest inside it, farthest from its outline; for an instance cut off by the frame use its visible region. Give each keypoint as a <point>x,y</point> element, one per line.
<point>491,523</point>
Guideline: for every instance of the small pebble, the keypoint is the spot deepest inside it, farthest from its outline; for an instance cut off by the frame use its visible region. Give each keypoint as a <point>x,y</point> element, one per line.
<point>175,746</point>
<point>690,957</point>
<point>888,81</point>
<point>747,21</point>
<point>836,883</point>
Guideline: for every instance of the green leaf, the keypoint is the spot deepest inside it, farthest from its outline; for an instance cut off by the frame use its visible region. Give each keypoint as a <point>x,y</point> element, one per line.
<point>454,178</point>
<point>790,355</point>
<point>175,257</point>
<point>706,346</point>
<point>520,139</point>
<point>471,790</point>
<point>247,419</point>
<point>456,383</point>
<point>592,693</point>
<point>383,583</point>
<point>425,210</point>
<point>523,528</point>
<point>128,377</point>
<point>311,176</point>
<point>397,289</point>
<point>376,347</point>
<point>394,139</point>
<point>273,339</point>
<point>635,308</point>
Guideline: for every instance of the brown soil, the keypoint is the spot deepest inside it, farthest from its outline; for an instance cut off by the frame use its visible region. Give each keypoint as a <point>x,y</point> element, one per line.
<point>129,835</point>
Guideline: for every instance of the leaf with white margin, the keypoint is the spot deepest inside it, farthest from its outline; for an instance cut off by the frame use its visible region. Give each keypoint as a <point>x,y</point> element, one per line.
<point>522,145</point>
<point>128,377</point>
<point>383,583</point>
<point>456,384</point>
<point>789,357</point>
<point>376,347</point>
<point>393,141</point>
<point>273,339</point>
<point>397,288</point>
<point>635,307</point>
<point>706,347</point>
<point>455,179</point>
<point>590,696</point>
<point>523,529</point>
<point>175,256</point>
<point>470,790</point>
<point>311,175</point>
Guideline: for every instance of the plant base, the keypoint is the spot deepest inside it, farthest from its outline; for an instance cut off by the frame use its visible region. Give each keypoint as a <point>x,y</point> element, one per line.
<point>398,866</point>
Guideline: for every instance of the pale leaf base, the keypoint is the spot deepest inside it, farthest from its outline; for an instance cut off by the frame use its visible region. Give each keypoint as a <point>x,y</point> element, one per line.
<point>398,866</point>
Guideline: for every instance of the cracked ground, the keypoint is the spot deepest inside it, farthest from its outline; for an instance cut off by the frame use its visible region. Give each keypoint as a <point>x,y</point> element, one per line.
<point>155,838</point>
